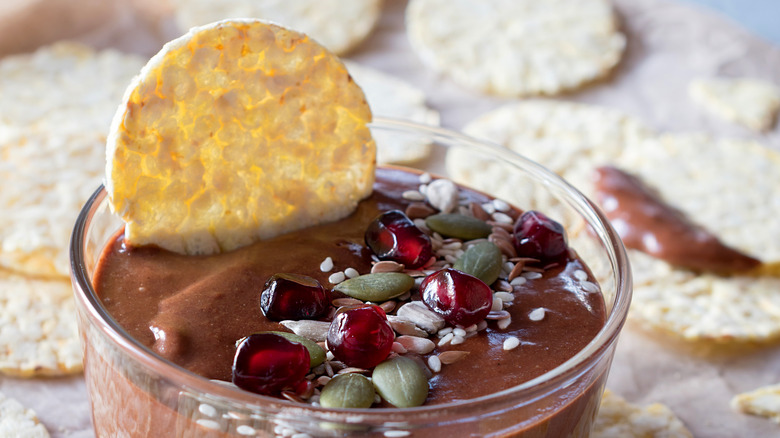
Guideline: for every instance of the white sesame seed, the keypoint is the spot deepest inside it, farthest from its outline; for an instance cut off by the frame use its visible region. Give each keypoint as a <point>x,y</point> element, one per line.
<point>397,433</point>
<point>471,328</point>
<point>444,332</point>
<point>580,275</point>
<point>532,275</point>
<point>518,281</point>
<point>504,296</point>
<point>399,348</point>
<point>511,343</point>
<point>489,208</point>
<point>459,253</point>
<point>457,340</point>
<point>425,178</point>
<point>246,430</point>
<point>423,189</point>
<point>301,435</point>
<point>482,325</point>
<point>504,323</point>
<point>500,205</point>
<point>508,266</point>
<point>447,338</point>
<point>537,314</point>
<point>498,304</point>
<point>326,265</point>
<point>589,287</point>
<point>450,258</point>
<point>420,223</point>
<point>413,195</point>
<point>437,236</point>
<point>208,424</point>
<point>207,410</point>
<point>501,218</point>
<point>337,277</point>
<point>434,363</point>
<point>351,273</point>
<point>330,356</point>
<point>377,398</point>
<point>452,245</point>
<point>459,332</point>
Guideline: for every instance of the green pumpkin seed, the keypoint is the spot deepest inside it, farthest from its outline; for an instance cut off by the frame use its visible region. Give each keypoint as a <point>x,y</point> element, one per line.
<point>458,226</point>
<point>482,260</point>
<point>349,390</point>
<point>377,287</point>
<point>316,353</point>
<point>401,382</point>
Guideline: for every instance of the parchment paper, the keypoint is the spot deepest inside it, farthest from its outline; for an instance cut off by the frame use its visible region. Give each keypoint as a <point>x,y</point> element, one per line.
<point>669,44</point>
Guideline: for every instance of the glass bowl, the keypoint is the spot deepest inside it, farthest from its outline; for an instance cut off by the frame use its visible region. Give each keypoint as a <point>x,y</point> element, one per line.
<point>134,392</point>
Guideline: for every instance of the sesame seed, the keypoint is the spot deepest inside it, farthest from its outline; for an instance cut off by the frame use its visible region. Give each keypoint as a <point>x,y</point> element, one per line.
<point>413,195</point>
<point>508,266</point>
<point>459,332</point>
<point>498,304</point>
<point>447,338</point>
<point>501,218</point>
<point>208,424</point>
<point>423,189</point>
<point>351,273</point>
<point>450,258</point>
<point>471,328</point>
<point>500,205</point>
<point>425,178</point>
<point>504,296</point>
<point>537,314</point>
<point>518,281</point>
<point>207,410</point>
<point>326,265</point>
<point>511,343</point>
<point>504,323</point>
<point>399,348</point>
<point>330,356</point>
<point>589,286</point>
<point>444,332</point>
<point>246,430</point>
<point>580,275</point>
<point>397,433</point>
<point>457,340</point>
<point>337,277</point>
<point>489,208</point>
<point>482,325</point>
<point>532,275</point>
<point>452,245</point>
<point>301,435</point>
<point>434,363</point>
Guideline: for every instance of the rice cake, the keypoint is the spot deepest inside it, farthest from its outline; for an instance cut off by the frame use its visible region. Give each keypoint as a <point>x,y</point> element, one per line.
<point>618,418</point>
<point>390,96</point>
<point>727,186</point>
<point>38,328</point>
<point>764,402</point>
<point>516,47</point>
<point>750,102</point>
<point>19,422</point>
<point>336,24</point>
<point>55,109</point>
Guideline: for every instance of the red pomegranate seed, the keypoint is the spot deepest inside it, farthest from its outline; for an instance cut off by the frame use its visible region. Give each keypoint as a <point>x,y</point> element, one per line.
<point>539,237</point>
<point>266,363</point>
<point>361,336</point>
<point>293,296</point>
<point>393,236</point>
<point>459,298</point>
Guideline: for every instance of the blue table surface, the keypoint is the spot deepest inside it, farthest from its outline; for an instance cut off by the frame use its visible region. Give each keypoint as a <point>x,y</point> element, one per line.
<point>762,17</point>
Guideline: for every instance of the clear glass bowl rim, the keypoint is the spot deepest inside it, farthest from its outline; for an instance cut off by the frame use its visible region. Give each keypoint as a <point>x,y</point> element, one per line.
<point>536,387</point>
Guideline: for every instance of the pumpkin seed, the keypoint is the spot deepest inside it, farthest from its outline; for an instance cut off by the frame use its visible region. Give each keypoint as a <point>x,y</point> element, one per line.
<point>482,260</point>
<point>401,381</point>
<point>377,287</point>
<point>316,353</point>
<point>458,225</point>
<point>348,391</point>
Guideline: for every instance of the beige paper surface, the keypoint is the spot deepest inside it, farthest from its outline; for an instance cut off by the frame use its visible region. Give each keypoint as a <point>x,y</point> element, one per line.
<point>669,44</point>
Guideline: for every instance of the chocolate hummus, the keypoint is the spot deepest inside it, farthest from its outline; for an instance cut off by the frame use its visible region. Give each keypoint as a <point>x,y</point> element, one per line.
<point>191,310</point>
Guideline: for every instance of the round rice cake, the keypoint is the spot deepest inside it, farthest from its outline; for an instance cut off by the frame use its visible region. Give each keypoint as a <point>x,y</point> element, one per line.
<point>727,186</point>
<point>18,421</point>
<point>516,47</point>
<point>389,96</point>
<point>38,327</point>
<point>237,131</point>
<point>749,102</point>
<point>55,110</point>
<point>763,402</point>
<point>336,24</point>
<point>618,418</point>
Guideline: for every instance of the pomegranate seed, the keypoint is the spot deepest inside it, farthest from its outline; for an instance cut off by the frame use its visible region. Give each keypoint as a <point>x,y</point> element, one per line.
<point>539,237</point>
<point>266,363</point>
<point>459,298</point>
<point>293,296</point>
<point>361,336</point>
<point>393,236</point>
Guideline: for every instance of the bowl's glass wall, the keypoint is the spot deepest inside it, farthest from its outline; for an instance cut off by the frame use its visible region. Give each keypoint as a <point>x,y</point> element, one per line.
<point>135,393</point>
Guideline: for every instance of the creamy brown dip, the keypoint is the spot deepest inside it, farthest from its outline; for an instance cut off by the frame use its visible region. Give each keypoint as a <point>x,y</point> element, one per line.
<point>646,223</point>
<point>192,309</point>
